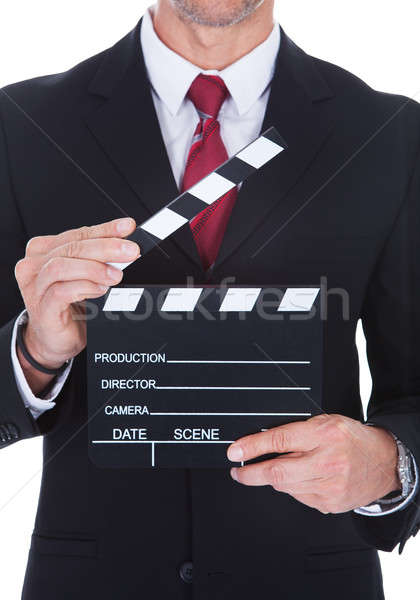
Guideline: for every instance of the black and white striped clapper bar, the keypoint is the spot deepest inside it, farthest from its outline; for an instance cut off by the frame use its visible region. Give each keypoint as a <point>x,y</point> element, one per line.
<point>176,374</point>
<point>189,204</point>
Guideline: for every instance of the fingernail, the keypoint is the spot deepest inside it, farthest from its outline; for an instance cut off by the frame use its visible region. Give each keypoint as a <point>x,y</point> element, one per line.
<point>234,473</point>
<point>129,249</point>
<point>114,274</point>
<point>125,225</point>
<point>235,453</point>
<point>104,288</point>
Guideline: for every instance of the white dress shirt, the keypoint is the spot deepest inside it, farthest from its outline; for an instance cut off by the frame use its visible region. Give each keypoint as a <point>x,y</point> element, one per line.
<point>241,117</point>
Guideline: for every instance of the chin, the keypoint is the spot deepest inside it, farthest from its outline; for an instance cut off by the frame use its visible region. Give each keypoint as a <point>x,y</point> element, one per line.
<point>216,13</point>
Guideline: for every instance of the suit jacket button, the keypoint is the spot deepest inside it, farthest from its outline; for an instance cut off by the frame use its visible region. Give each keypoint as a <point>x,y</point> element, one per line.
<point>186,572</point>
<point>13,431</point>
<point>8,432</point>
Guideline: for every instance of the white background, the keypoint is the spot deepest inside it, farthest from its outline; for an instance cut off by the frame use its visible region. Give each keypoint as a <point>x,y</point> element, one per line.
<point>377,40</point>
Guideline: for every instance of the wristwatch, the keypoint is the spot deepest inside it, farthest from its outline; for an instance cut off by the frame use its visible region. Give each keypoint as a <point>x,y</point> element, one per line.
<point>405,469</point>
<point>408,476</point>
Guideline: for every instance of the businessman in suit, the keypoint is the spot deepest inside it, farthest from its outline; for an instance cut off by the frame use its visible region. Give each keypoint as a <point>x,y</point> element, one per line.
<point>85,154</point>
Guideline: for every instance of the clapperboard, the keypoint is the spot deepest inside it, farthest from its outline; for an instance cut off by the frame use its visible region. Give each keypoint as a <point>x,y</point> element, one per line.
<point>177,374</point>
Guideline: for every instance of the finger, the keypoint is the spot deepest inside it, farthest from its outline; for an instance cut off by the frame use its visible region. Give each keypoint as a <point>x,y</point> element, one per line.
<point>63,293</point>
<point>26,269</point>
<point>282,473</point>
<point>44,244</point>
<point>101,249</point>
<point>299,436</point>
<point>73,269</point>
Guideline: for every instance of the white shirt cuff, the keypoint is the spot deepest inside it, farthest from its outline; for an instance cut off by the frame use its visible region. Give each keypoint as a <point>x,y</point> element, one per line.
<point>378,509</point>
<point>37,406</point>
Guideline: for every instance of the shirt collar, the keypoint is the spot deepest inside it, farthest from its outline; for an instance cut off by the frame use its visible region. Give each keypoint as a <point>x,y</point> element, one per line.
<point>171,75</point>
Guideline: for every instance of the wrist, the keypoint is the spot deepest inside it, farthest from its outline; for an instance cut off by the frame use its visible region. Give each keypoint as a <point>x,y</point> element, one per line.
<point>38,353</point>
<point>389,462</point>
<point>36,380</point>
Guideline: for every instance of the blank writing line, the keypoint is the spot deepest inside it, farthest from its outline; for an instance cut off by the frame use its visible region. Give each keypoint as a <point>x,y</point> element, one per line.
<point>241,362</point>
<point>231,414</point>
<point>171,387</point>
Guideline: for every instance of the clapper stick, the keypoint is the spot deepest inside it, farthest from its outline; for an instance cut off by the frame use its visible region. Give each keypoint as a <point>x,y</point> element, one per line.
<point>209,189</point>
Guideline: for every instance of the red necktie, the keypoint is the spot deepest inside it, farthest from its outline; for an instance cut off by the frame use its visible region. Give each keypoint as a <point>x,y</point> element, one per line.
<point>208,92</point>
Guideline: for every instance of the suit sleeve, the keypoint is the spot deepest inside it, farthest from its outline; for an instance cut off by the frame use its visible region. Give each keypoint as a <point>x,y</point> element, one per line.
<point>16,421</point>
<point>391,322</point>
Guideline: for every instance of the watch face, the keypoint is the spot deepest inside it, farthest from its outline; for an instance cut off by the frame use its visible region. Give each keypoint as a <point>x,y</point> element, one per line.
<point>405,469</point>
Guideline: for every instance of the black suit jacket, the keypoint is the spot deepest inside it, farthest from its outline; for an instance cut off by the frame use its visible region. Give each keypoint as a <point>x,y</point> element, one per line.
<point>342,204</point>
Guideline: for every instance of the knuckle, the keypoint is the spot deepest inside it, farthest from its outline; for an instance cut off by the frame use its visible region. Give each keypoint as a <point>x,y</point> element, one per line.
<point>320,419</point>
<point>334,429</point>
<point>336,420</point>
<point>21,269</point>
<point>72,249</point>
<point>35,245</point>
<point>83,233</point>
<point>25,270</point>
<point>279,440</point>
<point>276,476</point>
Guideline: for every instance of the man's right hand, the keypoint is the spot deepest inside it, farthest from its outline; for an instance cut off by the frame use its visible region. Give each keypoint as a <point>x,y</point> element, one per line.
<point>57,274</point>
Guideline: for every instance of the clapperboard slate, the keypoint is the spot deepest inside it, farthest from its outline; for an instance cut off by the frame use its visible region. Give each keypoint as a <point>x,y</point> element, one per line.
<point>177,374</point>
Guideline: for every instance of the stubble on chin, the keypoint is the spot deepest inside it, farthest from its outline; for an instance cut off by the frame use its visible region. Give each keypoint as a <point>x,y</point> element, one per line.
<point>214,13</point>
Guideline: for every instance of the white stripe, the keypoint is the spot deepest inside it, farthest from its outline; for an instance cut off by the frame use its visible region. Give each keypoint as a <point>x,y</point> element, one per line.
<point>260,152</point>
<point>240,299</point>
<point>181,299</point>
<point>298,299</point>
<point>163,223</point>
<point>211,188</point>
<point>121,266</point>
<point>123,299</point>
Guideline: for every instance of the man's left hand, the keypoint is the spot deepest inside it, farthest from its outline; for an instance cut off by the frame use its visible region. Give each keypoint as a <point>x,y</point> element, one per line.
<point>333,463</point>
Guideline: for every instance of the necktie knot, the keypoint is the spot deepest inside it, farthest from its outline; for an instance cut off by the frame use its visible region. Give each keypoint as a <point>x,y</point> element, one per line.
<point>207,93</point>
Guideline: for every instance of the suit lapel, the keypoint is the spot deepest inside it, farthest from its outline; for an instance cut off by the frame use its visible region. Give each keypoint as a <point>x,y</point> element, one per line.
<point>297,108</point>
<point>127,129</point>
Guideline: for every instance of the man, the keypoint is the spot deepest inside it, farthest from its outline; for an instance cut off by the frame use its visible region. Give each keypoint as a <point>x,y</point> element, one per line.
<point>118,136</point>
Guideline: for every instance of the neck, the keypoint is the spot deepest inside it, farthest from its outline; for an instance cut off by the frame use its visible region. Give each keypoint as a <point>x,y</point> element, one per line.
<point>211,47</point>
